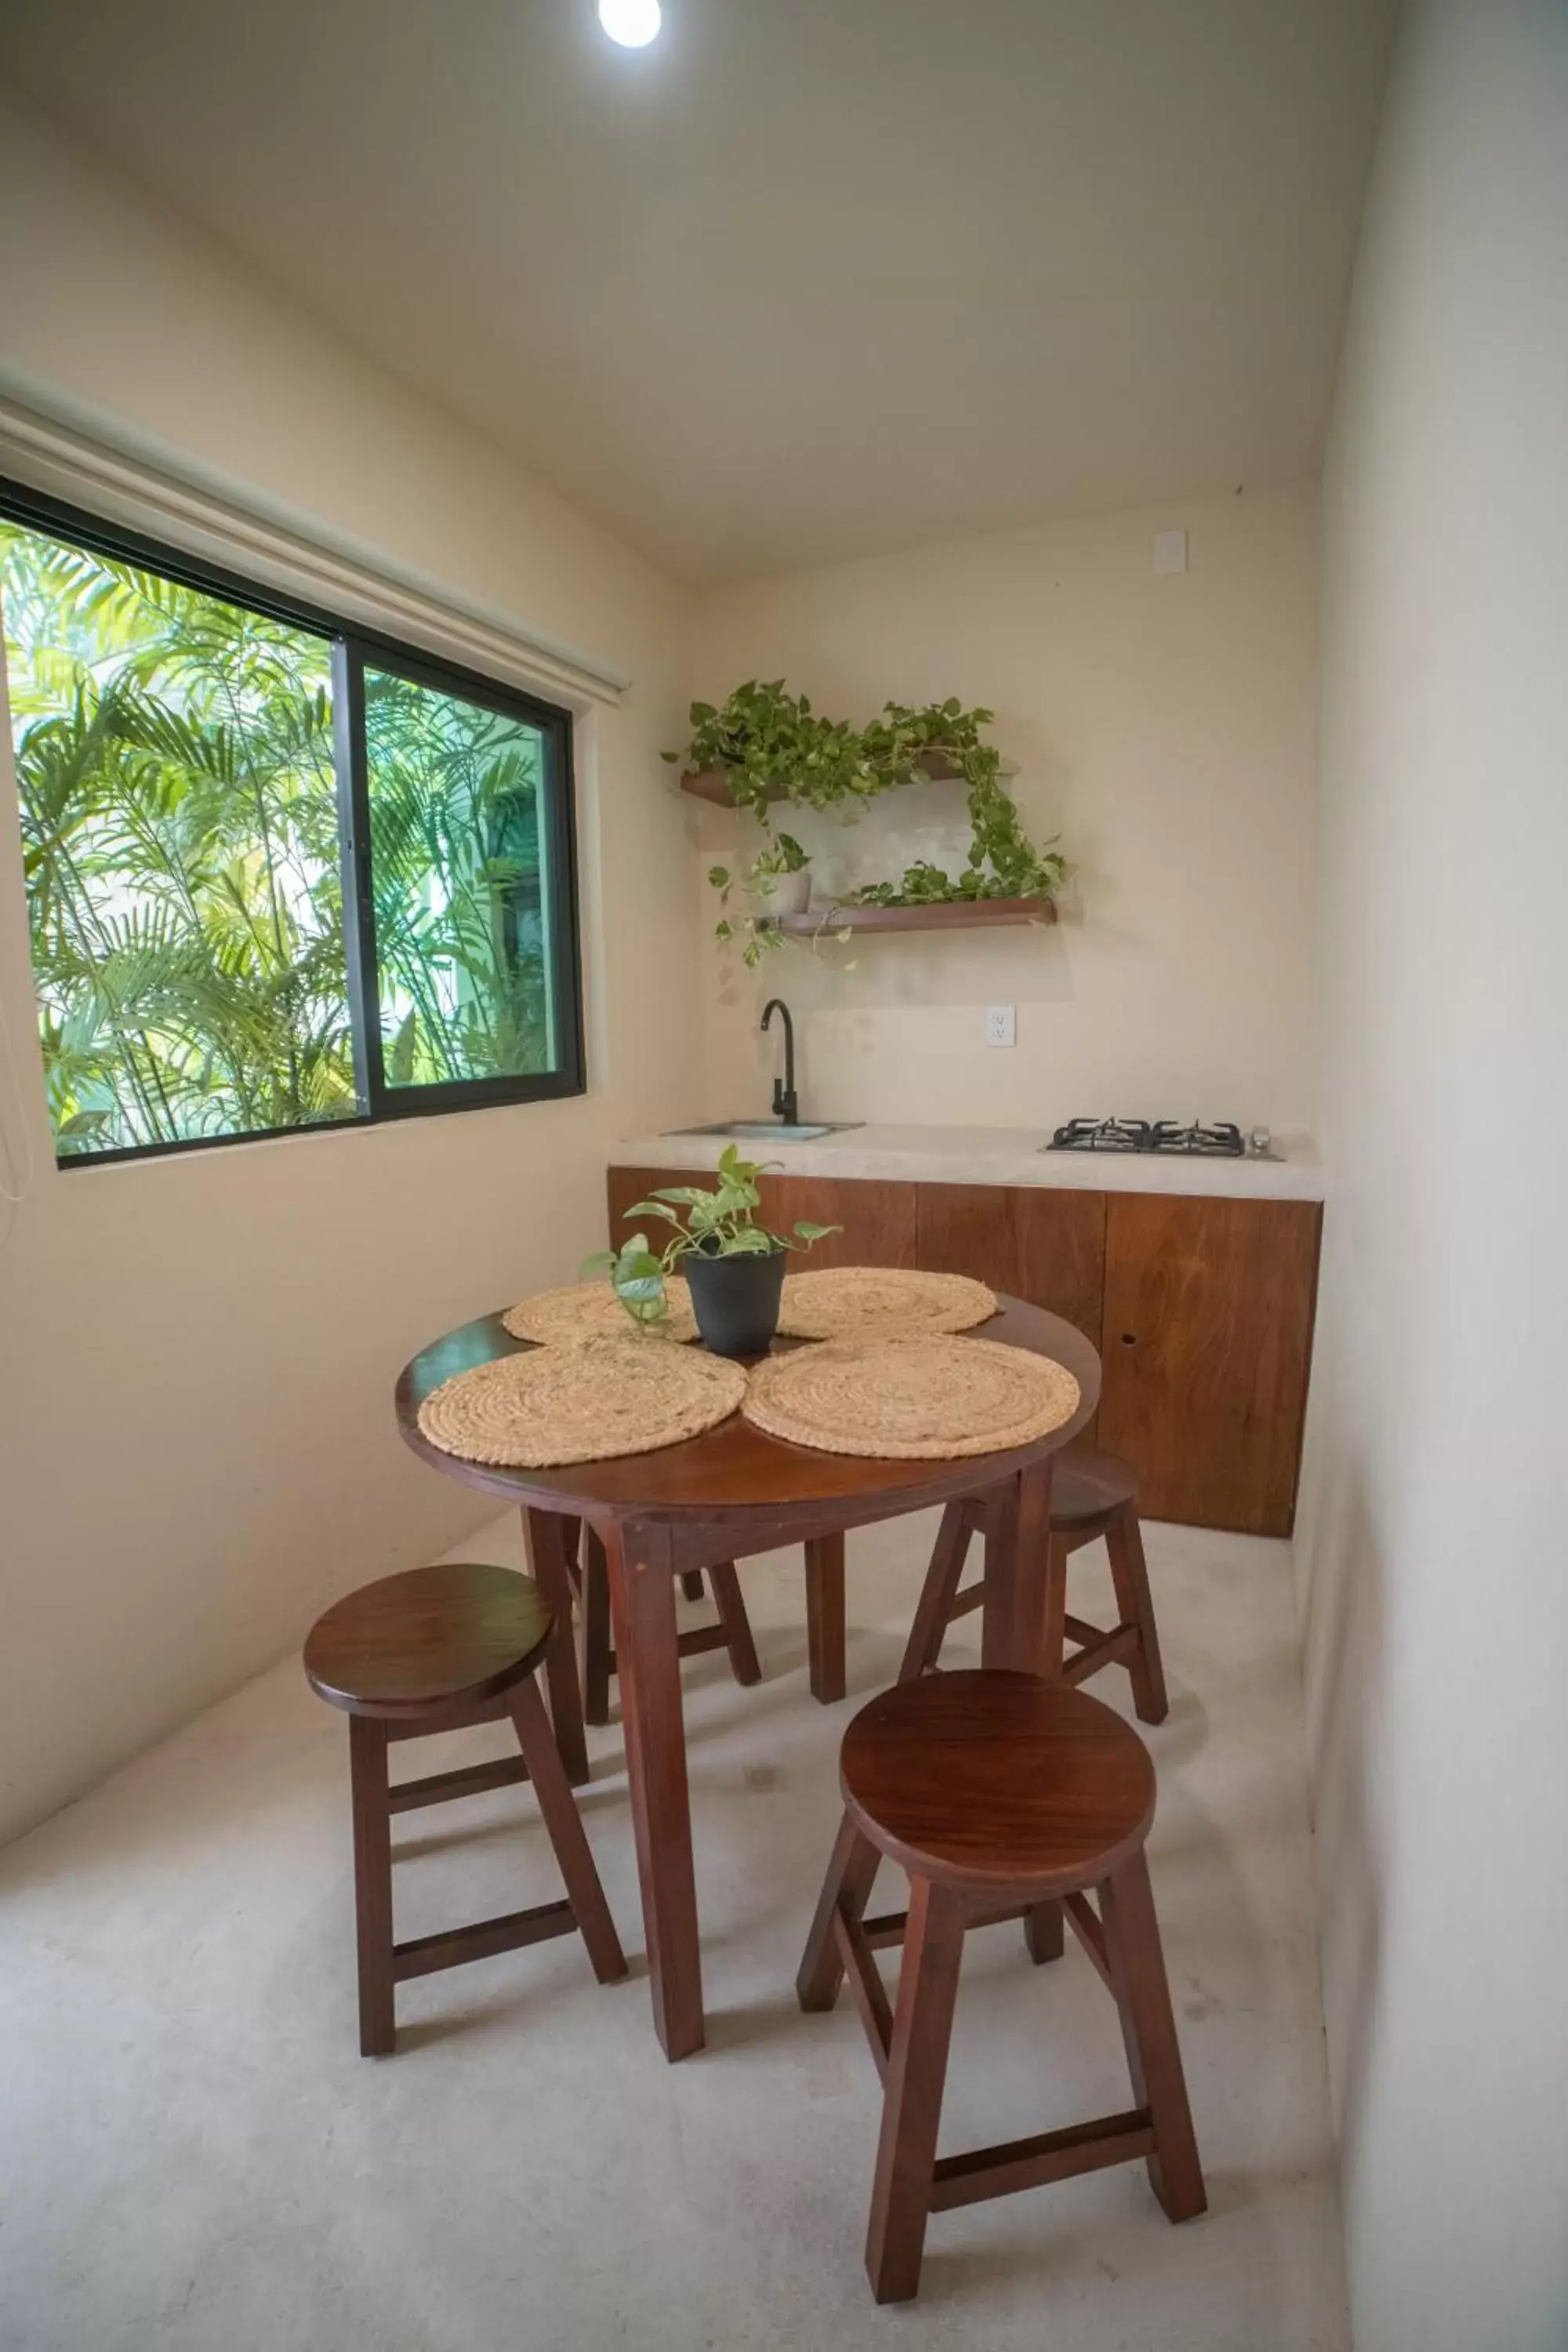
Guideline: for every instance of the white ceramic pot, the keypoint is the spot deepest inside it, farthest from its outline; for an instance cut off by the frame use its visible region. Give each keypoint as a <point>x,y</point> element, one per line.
<point>791,893</point>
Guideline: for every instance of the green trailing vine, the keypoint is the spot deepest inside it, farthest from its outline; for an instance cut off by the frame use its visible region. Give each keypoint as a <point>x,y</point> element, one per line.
<point>765,739</point>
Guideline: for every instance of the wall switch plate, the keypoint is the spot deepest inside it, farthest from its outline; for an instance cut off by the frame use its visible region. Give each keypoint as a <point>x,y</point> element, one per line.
<point>1170,551</point>
<point>1001,1024</point>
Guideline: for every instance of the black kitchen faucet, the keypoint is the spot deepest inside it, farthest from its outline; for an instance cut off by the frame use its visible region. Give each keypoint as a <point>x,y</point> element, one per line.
<point>786,1107</point>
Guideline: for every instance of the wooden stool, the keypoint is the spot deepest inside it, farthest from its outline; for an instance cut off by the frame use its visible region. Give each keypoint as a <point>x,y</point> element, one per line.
<point>1093,1494</point>
<point>996,1792</point>
<point>434,1650</point>
<point>590,1574</point>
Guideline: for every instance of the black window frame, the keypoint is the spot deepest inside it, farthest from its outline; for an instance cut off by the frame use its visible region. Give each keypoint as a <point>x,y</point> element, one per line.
<point>353,650</point>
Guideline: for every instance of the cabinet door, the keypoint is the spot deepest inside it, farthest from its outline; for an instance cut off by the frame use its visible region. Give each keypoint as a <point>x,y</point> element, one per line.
<point>1032,1241</point>
<point>1207,1341</point>
<point>878,1219</point>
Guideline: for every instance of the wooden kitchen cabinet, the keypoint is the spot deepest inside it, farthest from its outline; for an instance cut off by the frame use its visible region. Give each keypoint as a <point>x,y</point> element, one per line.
<point>1201,1308</point>
<point>1207,1343</point>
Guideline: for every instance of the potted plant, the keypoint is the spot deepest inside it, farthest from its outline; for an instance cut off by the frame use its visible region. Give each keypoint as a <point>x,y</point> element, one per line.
<point>733,1266</point>
<point>781,877</point>
<point>770,745</point>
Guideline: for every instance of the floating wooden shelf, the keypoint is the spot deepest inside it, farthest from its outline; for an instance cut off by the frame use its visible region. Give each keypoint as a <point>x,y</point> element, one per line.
<point>713,784</point>
<point>946,915</point>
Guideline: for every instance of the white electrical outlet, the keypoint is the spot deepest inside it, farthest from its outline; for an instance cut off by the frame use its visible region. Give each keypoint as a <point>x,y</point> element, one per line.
<point>1001,1024</point>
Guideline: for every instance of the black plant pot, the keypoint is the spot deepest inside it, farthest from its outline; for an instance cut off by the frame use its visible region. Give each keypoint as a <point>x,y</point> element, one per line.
<point>736,1299</point>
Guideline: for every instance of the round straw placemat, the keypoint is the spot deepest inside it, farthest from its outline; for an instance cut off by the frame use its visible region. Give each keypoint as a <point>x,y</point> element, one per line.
<point>590,1311</point>
<point>930,1398</point>
<point>841,1300</point>
<point>555,1405</point>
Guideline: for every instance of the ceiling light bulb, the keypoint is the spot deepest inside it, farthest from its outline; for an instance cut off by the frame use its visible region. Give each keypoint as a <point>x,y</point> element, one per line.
<point>633,23</point>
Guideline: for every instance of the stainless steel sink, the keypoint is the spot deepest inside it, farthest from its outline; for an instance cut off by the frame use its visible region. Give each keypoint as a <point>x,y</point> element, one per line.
<point>762,1130</point>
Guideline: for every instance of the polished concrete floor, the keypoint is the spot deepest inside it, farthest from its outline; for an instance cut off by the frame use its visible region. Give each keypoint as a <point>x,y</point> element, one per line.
<point>194,2157</point>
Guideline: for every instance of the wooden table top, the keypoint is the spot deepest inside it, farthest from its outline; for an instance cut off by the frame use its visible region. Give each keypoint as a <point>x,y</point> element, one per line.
<point>736,1467</point>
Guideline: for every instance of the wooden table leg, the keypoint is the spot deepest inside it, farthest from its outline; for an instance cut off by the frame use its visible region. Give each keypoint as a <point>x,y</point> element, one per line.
<point>1023,1623</point>
<point>594,1597</point>
<point>641,1556</point>
<point>544,1532</point>
<point>1025,1583</point>
<point>825,1617</point>
<point>998,1616</point>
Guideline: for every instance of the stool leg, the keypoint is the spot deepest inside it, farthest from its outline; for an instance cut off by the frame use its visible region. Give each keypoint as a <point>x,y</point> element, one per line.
<point>571,1540</point>
<point>552,1542</point>
<point>825,1617</point>
<point>595,1630</point>
<point>1148,2033</point>
<point>847,1886</point>
<point>912,2105</point>
<point>726,1590</point>
<point>1135,1606</point>
<point>692,1583</point>
<point>373,1885</point>
<point>564,1826</point>
<point>937,1594</point>
<point>1045,1932</point>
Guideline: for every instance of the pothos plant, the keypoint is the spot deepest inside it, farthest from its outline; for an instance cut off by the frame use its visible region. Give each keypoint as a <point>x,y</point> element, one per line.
<point>718,1221</point>
<point>768,743</point>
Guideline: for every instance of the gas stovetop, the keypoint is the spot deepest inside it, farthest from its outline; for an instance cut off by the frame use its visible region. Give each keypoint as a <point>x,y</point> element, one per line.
<point>1218,1141</point>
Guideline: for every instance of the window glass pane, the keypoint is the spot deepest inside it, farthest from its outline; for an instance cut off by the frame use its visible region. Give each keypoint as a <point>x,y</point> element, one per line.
<point>174,759</point>
<point>458,851</point>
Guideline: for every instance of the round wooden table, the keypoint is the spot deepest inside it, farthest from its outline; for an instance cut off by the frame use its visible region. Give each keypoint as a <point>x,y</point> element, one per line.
<point>732,1492</point>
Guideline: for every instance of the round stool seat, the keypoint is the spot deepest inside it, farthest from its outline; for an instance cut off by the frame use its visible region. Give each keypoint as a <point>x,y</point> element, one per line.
<point>431,1638</point>
<point>1087,1486</point>
<point>997,1781</point>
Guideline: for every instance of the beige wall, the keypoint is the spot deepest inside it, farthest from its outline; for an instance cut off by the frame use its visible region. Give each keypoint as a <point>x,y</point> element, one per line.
<point>196,1355</point>
<point>1435,1498</point>
<point>1165,727</point>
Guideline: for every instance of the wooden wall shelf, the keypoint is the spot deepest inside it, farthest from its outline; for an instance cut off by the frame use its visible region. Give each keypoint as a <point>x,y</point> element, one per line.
<point>947,915</point>
<point>713,785</point>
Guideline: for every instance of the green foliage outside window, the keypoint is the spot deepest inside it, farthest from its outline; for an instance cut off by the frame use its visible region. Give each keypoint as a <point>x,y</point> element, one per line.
<point>174,763</point>
<point>460,907</point>
<point>179,829</point>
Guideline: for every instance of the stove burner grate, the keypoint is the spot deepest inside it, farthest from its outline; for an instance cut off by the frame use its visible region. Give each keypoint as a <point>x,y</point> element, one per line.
<point>1219,1140</point>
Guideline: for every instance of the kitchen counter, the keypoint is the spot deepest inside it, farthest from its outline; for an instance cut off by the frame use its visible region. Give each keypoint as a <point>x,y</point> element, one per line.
<point>999,1155</point>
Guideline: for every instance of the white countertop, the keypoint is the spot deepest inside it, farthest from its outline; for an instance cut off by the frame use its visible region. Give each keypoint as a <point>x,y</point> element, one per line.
<point>999,1155</point>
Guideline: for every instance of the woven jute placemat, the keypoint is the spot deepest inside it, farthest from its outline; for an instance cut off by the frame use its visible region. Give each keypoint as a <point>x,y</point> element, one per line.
<point>590,1311</point>
<point>586,1403</point>
<point>929,1398</point>
<point>840,1301</point>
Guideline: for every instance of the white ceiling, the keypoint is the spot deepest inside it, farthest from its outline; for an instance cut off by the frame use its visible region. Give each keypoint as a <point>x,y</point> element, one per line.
<point>808,277</point>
